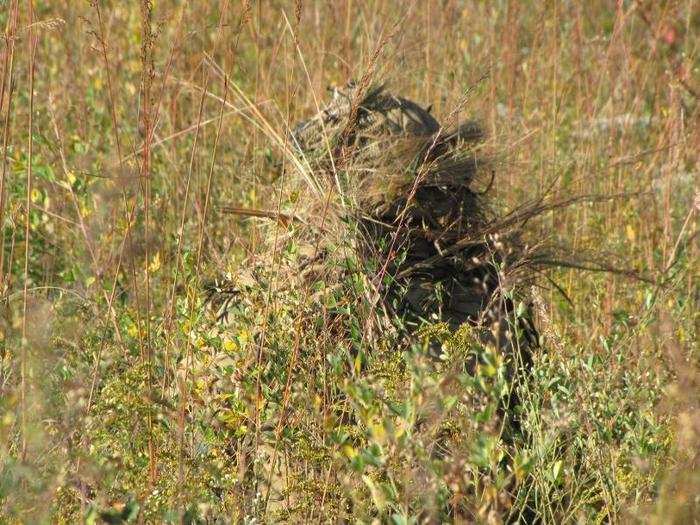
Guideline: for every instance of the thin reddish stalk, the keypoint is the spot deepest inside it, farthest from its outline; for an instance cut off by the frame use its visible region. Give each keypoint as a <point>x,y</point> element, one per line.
<point>31,44</point>
<point>7,77</point>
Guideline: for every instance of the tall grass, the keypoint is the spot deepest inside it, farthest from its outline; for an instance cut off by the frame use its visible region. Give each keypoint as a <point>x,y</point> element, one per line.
<point>129,128</point>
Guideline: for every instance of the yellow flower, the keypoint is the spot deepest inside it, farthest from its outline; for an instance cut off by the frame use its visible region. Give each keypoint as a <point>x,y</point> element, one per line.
<point>132,330</point>
<point>230,345</point>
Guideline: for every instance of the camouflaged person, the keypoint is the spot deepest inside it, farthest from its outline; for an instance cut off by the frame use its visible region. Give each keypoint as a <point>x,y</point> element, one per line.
<point>406,182</point>
<point>410,184</point>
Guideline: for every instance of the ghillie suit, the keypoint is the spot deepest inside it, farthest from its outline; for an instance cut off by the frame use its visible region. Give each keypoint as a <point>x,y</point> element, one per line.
<point>389,199</point>
<point>410,185</point>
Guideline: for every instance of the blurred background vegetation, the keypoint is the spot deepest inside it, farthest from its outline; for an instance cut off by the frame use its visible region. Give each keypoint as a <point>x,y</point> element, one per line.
<point>120,400</point>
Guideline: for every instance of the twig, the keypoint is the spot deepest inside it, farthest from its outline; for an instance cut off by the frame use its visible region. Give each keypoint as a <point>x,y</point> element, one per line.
<point>285,218</point>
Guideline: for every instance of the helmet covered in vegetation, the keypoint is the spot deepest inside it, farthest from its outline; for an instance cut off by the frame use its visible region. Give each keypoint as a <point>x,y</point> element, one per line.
<point>378,113</point>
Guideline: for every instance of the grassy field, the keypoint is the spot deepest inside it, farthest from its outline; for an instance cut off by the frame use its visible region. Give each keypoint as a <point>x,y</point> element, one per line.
<point>128,127</point>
